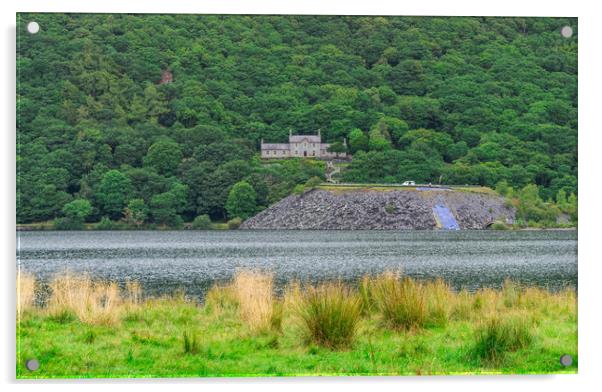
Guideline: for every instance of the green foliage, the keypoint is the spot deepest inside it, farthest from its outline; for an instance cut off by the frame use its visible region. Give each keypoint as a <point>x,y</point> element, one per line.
<point>167,206</point>
<point>164,156</point>
<point>313,182</point>
<point>358,141</point>
<point>113,193</point>
<point>299,189</point>
<point>241,201</point>
<point>190,343</point>
<point>499,226</point>
<point>201,222</point>
<point>234,223</point>
<point>136,212</point>
<point>77,210</point>
<point>427,101</point>
<point>502,334</point>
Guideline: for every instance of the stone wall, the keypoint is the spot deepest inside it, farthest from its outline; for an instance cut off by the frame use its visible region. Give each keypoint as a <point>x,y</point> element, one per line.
<point>380,210</point>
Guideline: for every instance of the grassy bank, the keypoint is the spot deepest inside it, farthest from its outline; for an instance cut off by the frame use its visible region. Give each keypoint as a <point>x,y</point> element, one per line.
<point>386,324</point>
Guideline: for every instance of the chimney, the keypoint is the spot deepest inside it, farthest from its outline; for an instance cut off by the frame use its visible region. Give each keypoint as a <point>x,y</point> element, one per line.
<point>345,141</point>
<point>290,133</point>
<point>320,136</point>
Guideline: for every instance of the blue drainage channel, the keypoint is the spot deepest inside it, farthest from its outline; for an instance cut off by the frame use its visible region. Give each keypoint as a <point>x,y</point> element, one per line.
<point>445,218</point>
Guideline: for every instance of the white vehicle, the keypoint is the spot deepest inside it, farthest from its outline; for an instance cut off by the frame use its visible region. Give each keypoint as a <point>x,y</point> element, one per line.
<point>408,183</point>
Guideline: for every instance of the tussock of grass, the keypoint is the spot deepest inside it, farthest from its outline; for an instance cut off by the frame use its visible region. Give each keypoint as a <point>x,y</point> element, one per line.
<point>401,301</point>
<point>500,334</point>
<point>330,313</point>
<point>190,343</point>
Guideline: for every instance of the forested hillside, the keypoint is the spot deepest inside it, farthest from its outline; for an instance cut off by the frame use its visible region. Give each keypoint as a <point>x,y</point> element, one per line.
<point>450,100</point>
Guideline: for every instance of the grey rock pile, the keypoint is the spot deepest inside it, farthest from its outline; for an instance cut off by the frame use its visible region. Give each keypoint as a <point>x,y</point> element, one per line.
<point>380,210</point>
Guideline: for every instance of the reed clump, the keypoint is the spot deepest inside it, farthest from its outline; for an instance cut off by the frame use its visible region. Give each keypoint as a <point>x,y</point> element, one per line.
<point>254,291</point>
<point>401,301</point>
<point>91,302</point>
<point>502,333</point>
<point>26,289</point>
<point>330,314</point>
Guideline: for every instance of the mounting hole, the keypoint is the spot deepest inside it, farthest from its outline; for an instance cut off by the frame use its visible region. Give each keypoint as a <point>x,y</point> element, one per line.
<point>32,365</point>
<point>566,31</point>
<point>33,27</point>
<point>566,360</point>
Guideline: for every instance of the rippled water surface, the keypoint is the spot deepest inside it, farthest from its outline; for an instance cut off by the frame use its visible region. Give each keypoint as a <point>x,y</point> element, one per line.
<point>194,260</point>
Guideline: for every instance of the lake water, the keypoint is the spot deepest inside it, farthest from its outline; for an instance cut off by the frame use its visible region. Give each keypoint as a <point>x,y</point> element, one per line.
<point>163,261</point>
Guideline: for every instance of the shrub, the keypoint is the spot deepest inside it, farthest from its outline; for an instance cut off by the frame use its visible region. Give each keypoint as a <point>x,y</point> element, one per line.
<point>254,293</point>
<point>330,314</point>
<point>499,226</point>
<point>105,224</point>
<point>501,334</point>
<point>298,189</point>
<point>401,302</point>
<point>201,222</point>
<point>313,182</point>
<point>234,223</point>
<point>67,224</point>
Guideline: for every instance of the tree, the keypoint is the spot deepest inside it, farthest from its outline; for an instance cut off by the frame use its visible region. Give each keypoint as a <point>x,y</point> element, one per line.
<point>164,209</point>
<point>77,210</point>
<point>358,141</point>
<point>75,213</point>
<point>241,201</point>
<point>337,147</point>
<point>136,212</point>
<point>113,192</point>
<point>164,156</point>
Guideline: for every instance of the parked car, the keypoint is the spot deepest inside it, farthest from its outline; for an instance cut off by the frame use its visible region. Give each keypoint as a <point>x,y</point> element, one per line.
<point>408,183</point>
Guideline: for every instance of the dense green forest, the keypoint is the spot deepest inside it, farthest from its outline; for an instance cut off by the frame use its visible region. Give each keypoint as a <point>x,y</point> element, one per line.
<point>489,101</point>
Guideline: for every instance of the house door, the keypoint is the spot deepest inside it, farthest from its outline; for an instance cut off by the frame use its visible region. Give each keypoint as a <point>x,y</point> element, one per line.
<point>304,153</point>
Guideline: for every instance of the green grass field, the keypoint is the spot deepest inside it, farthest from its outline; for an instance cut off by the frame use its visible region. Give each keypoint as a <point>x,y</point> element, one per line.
<point>382,327</point>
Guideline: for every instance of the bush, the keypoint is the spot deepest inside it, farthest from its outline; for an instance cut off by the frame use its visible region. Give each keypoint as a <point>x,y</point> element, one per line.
<point>201,222</point>
<point>67,224</point>
<point>234,223</point>
<point>299,189</point>
<point>313,182</point>
<point>330,314</point>
<point>105,224</point>
<point>401,302</point>
<point>497,225</point>
<point>501,334</point>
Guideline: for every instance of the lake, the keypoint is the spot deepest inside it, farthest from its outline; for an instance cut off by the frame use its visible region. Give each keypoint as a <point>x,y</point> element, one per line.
<point>163,261</point>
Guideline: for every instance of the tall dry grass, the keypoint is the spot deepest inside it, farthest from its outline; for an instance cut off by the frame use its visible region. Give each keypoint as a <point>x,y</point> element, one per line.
<point>91,302</point>
<point>254,291</point>
<point>26,291</point>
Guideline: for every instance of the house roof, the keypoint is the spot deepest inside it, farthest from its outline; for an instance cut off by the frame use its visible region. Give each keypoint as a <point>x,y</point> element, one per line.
<point>275,146</point>
<point>300,138</point>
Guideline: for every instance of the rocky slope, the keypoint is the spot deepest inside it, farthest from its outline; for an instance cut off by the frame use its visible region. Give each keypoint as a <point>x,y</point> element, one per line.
<point>320,209</point>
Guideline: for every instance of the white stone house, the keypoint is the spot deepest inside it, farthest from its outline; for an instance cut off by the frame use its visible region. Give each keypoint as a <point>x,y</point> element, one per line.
<point>310,146</point>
